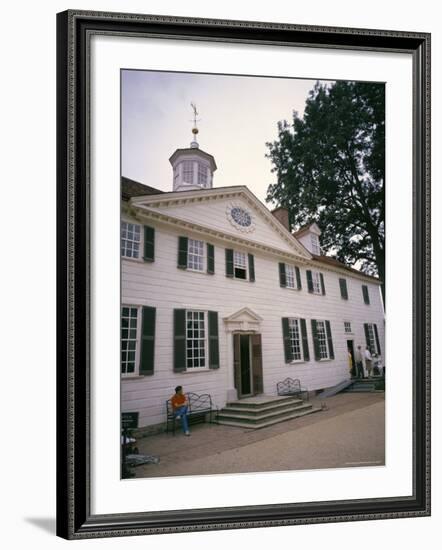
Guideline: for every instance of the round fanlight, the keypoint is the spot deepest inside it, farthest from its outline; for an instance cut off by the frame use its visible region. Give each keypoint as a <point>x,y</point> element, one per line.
<point>240,218</point>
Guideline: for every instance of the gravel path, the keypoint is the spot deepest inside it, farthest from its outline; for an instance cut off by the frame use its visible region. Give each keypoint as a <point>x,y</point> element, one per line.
<point>350,433</point>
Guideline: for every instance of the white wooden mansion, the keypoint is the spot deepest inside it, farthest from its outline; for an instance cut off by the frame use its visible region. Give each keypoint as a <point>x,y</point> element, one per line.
<point>219,296</point>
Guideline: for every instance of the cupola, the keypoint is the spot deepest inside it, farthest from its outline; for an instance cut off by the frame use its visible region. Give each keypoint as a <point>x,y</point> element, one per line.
<point>192,167</point>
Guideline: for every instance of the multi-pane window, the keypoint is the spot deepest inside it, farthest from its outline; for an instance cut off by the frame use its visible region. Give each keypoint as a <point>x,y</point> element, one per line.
<point>129,322</point>
<point>347,327</point>
<point>371,338</point>
<point>322,339</point>
<point>240,265</point>
<point>315,244</point>
<point>295,339</point>
<point>202,175</point>
<point>195,339</point>
<point>130,240</point>
<point>195,255</point>
<point>316,278</point>
<point>289,276</point>
<point>188,171</point>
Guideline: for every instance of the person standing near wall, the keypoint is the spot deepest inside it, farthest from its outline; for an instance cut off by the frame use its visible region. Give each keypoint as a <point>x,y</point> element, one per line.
<point>368,362</point>
<point>359,363</point>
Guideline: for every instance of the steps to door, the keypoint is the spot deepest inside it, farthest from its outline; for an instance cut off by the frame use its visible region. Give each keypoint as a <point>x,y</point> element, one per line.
<point>364,385</point>
<point>262,411</point>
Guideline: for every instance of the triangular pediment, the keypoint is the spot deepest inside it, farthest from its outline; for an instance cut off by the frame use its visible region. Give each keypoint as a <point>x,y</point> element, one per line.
<point>214,210</point>
<point>244,315</point>
<point>243,320</point>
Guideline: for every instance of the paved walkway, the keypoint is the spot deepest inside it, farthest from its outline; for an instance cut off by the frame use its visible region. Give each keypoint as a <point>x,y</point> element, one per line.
<point>350,433</point>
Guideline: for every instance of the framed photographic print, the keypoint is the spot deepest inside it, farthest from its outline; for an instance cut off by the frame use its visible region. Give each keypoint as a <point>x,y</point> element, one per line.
<point>243,274</point>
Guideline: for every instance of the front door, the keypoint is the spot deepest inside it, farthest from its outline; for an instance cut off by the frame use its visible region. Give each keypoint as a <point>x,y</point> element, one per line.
<point>351,351</point>
<point>247,358</point>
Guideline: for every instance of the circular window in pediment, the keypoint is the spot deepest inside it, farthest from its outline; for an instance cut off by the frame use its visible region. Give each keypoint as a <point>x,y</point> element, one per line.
<point>240,217</point>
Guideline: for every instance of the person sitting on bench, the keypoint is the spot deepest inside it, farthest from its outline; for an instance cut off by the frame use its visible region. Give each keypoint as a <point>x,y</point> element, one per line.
<point>179,406</point>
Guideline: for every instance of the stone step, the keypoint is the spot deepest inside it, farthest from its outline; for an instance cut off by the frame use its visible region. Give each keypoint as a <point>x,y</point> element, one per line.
<point>265,408</point>
<point>264,424</point>
<point>254,418</point>
<point>261,401</point>
<point>329,392</point>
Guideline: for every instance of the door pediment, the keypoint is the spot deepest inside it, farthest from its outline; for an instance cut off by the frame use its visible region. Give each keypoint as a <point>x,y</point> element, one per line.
<point>243,320</point>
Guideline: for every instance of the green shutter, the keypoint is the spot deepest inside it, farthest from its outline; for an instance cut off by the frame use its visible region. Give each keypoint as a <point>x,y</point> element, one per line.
<point>229,262</point>
<point>377,338</point>
<point>251,268</point>
<point>147,340</point>
<point>365,294</point>
<point>213,340</point>
<point>330,340</point>
<point>321,276</point>
<point>210,259</point>
<point>304,340</point>
<point>182,252</point>
<point>179,340</point>
<point>298,278</point>
<point>343,287</point>
<point>149,244</point>
<point>286,339</point>
<point>309,281</point>
<point>282,277</point>
<point>367,335</point>
<point>315,341</point>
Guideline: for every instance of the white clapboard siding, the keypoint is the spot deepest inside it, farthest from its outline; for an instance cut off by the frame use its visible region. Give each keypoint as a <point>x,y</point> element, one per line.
<point>162,285</point>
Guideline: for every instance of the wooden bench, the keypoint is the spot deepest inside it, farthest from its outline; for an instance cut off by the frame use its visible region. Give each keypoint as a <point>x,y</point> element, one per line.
<point>291,386</point>
<point>198,408</point>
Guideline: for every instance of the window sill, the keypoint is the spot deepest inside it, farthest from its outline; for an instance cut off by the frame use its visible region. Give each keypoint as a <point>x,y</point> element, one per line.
<point>239,279</point>
<point>191,371</point>
<point>136,260</point>
<point>297,362</point>
<point>200,271</point>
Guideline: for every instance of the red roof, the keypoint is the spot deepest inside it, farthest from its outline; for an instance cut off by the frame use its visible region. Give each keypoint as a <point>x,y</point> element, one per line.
<point>131,188</point>
<point>302,229</point>
<point>336,263</point>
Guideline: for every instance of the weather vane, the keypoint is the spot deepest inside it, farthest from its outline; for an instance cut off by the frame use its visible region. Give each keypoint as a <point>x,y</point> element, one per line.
<point>195,120</point>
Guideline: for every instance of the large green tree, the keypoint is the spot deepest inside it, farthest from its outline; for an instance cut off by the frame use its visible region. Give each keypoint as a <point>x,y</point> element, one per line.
<point>330,168</point>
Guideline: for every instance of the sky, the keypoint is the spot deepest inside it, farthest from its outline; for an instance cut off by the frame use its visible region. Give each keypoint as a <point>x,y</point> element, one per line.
<point>238,115</point>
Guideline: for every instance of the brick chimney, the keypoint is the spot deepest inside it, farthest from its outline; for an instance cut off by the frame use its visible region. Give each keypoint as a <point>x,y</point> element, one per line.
<point>282,215</point>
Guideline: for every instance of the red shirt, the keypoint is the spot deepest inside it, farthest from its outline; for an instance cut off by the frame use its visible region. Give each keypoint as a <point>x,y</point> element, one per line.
<point>178,400</point>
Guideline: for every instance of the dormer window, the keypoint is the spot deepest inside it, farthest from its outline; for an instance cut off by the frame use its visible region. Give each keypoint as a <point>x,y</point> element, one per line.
<point>316,249</point>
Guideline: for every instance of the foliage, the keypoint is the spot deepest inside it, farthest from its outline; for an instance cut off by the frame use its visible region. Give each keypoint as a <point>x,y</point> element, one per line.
<point>330,167</point>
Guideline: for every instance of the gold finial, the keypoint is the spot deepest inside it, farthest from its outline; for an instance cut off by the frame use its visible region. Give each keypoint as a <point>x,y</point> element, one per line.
<point>195,120</point>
